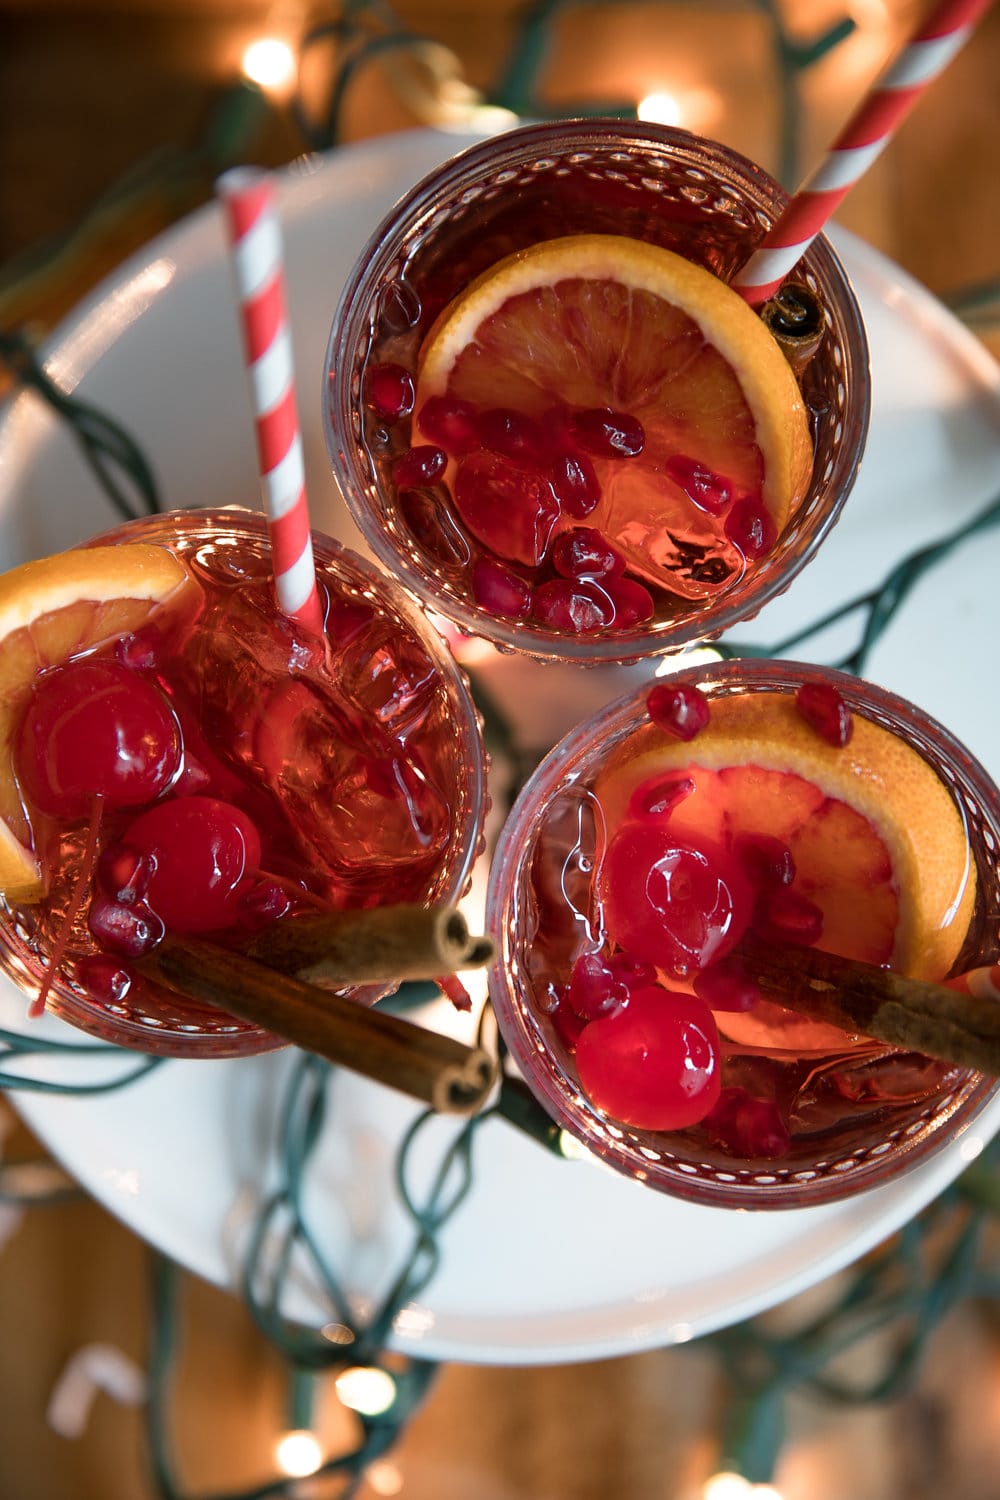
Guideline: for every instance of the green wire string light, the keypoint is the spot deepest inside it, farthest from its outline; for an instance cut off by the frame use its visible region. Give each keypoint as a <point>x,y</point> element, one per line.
<point>906,1287</point>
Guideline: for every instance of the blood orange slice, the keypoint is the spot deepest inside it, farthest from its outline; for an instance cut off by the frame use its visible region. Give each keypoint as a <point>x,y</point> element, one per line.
<point>51,610</point>
<point>591,322</point>
<point>876,840</point>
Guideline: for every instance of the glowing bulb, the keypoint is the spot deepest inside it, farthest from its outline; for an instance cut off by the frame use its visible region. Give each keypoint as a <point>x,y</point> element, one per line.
<point>298,1453</point>
<point>366,1390</point>
<point>660,107</point>
<point>726,1486</point>
<point>269,62</point>
<point>384,1478</point>
<point>730,1486</point>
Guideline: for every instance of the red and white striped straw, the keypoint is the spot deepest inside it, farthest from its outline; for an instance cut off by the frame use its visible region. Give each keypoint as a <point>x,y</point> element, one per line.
<point>984,983</point>
<point>859,143</point>
<point>248,201</point>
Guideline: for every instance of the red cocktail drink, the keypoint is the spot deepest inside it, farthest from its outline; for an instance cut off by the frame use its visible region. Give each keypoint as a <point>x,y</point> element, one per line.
<point>748,803</point>
<point>553,418</point>
<point>255,773</point>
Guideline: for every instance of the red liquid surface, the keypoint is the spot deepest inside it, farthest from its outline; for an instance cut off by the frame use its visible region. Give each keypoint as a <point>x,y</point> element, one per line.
<point>344,763</point>
<point>695,562</point>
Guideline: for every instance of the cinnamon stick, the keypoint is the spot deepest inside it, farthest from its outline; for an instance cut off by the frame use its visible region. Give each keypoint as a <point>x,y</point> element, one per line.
<point>382,944</point>
<point>942,1023</point>
<point>450,1076</point>
<point>794,317</point>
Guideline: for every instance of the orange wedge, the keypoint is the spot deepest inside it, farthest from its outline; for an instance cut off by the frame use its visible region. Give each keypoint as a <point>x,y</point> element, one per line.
<point>878,842</point>
<point>596,320</point>
<point>50,610</point>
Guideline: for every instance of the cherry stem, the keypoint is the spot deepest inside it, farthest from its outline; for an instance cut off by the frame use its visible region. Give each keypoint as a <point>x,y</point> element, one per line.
<point>292,888</point>
<point>73,909</point>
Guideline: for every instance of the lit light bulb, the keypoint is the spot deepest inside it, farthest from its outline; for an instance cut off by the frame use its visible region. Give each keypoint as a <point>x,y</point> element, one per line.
<point>731,1486</point>
<point>366,1389</point>
<point>269,62</point>
<point>659,107</point>
<point>298,1453</point>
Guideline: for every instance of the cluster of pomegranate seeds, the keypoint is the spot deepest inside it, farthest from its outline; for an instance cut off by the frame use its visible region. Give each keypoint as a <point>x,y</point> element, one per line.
<point>516,482</point>
<point>824,709</point>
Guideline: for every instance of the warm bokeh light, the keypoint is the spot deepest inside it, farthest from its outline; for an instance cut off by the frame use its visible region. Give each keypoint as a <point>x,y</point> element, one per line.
<point>269,62</point>
<point>384,1478</point>
<point>729,1486</point>
<point>366,1390</point>
<point>298,1453</point>
<point>659,107</point>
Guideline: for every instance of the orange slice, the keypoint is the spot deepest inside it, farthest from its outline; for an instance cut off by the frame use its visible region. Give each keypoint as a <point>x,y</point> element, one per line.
<point>877,839</point>
<point>50,610</point>
<point>607,321</point>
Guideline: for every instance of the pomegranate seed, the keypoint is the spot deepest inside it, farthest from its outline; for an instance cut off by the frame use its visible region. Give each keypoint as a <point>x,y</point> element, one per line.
<point>581,606</point>
<point>194,777</point>
<point>511,434</point>
<point>261,904</point>
<point>789,917</point>
<point>391,391</point>
<point>748,1127</point>
<point>633,603</point>
<point>103,979</point>
<point>124,874</point>
<point>450,423</point>
<point>678,709</point>
<point>632,972</point>
<point>767,861</point>
<point>824,710</point>
<point>703,487</point>
<point>750,529</point>
<point>606,433</point>
<point>575,484</point>
<point>585,553</point>
<point>500,590</point>
<point>399,308</point>
<point>433,529</point>
<point>594,989</point>
<point>128,930</point>
<point>569,1026</point>
<point>140,651</point>
<point>726,985</point>
<point>658,796</point>
<point>420,465</point>
<point>509,510</point>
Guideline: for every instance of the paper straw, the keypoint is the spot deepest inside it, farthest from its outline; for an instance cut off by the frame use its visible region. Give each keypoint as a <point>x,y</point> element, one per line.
<point>984,983</point>
<point>247,198</point>
<point>859,143</point>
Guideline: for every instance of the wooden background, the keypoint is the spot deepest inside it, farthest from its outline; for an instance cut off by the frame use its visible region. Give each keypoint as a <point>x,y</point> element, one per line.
<point>89,90</point>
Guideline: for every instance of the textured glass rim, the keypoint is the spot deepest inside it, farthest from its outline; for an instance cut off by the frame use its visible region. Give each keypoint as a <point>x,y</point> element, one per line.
<point>350,328</point>
<point>566,764</point>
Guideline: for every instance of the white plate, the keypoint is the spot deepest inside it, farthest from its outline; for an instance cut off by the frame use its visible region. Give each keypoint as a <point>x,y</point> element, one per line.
<point>546,1260</point>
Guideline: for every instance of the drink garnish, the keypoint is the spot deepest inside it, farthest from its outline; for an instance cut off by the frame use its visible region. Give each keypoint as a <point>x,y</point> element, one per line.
<point>616,380</point>
<point>51,610</point>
